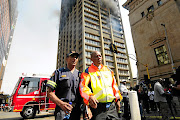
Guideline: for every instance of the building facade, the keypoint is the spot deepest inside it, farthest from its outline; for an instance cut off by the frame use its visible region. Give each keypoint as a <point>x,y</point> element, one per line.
<point>155,26</point>
<point>89,26</point>
<point>8,15</point>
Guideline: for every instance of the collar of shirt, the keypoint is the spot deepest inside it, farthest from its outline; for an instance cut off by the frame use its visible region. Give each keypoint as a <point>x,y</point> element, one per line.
<point>99,67</point>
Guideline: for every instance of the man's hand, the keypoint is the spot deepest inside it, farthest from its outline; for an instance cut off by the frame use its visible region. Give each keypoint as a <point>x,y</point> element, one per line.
<point>88,114</point>
<point>93,102</point>
<point>118,106</point>
<point>66,107</point>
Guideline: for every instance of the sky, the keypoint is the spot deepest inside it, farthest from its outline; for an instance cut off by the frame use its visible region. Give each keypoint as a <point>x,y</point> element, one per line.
<point>35,41</point>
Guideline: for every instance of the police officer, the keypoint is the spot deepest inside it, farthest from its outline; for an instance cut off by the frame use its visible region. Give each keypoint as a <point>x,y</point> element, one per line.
<point>65,82</point>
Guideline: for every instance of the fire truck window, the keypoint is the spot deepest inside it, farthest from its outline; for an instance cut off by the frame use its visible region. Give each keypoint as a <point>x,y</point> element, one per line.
<point>29,85</point>
<point>23,88</point>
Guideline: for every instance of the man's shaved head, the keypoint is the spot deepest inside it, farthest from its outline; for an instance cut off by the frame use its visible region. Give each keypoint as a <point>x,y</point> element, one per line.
<point>96,58</point>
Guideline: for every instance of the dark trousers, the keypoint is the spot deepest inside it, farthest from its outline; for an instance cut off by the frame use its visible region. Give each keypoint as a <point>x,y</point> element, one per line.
<point>75,114</point>
<point>103,113</point>
<point>126,107</point>
<point>152,105</point>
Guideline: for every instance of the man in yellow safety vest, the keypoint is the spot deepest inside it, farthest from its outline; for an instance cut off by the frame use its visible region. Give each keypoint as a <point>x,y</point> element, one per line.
<point>99,89</point>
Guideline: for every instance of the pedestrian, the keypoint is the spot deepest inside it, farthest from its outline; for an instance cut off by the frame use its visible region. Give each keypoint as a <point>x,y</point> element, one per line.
<point>160,97</point>
<point>65,82</point>
<point>99,89</point>
<point>176,87</point>
<point>151,99</point>
<point>124,92</point>
<point>145,100</point>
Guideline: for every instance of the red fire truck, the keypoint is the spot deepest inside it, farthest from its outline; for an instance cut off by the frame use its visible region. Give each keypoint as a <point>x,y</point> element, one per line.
<point>30,96</point>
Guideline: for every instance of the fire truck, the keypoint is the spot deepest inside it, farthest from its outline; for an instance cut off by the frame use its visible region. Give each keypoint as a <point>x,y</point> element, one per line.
<point>30,96</point>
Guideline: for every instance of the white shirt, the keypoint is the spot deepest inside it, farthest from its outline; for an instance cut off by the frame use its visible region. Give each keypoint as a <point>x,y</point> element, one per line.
<point>123,89</point>
<point>158,91</point>
<point>151,95</point>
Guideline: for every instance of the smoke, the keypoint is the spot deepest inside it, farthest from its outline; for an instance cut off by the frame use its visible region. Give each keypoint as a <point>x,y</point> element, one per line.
<point>111,4</point>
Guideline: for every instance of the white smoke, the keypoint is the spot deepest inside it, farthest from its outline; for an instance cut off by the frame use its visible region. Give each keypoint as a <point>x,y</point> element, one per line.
<point>111,4</point>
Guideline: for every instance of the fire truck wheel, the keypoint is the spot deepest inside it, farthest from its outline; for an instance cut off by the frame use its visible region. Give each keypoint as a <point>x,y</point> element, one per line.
<point>28,112</point>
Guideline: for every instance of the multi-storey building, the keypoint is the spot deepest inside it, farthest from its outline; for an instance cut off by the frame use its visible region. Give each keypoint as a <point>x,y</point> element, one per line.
<point>155,26</point>
<point>8,15</point>
<point>88,25</point>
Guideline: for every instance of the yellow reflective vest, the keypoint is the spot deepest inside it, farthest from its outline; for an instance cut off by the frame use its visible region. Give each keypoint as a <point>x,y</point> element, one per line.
<point>99,82</point>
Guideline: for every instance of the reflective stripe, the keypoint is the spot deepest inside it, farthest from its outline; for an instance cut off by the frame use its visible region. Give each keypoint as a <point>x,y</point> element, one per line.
<point>105,95</point>
<point>108,99</point>
<point>30,96</point>
<point>52,83</point>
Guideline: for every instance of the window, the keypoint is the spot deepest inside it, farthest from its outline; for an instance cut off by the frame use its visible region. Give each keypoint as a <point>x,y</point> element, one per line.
<point>142,14</point>
<point>106,40</point>
<point>92,36</point>
<point>109,57</point>
<point>91,25</point>
<point>109,64</point>
<point>88,54</point>
<point>88,61</point>
<point>92,42</point>
<point>159,2</point>
<point>106,45</point>
<point>161,55</point>
<point>29,85</point>
<point>92,48</point>
<point>151,8</point>
<point>123,78</point>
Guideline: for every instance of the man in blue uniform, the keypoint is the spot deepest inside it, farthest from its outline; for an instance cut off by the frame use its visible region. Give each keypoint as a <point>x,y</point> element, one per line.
<point>65,82</point>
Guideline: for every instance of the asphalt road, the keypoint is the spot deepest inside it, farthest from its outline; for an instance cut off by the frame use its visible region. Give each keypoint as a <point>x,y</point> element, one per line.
<point>17,116</point>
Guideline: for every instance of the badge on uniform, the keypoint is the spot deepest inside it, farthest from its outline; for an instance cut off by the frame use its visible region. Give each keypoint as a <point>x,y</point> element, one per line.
<point>99,77</point>
<point>63,75</point>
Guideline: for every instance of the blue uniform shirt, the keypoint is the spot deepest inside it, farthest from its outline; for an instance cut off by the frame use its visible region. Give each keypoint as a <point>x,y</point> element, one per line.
<point>66,84</point>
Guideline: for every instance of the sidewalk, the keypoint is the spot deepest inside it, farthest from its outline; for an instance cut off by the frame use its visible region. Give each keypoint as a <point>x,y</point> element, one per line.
<point>155,115</point>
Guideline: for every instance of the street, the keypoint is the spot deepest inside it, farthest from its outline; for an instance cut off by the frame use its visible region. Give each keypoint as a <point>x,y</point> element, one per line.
<point>16,116</point>
<point>49,116</point>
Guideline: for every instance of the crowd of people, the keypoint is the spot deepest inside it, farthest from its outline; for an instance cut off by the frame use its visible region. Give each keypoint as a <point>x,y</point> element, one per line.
<point>163,96</point>
<point>95,93</point>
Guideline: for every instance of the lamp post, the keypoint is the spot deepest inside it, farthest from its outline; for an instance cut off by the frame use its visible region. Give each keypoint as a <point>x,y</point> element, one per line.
<point>169,49</point>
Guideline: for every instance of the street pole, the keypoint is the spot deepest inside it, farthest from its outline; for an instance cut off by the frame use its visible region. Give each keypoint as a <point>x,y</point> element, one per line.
<point>147,71</point>
<point>169,49</point>
<point>146,65</point>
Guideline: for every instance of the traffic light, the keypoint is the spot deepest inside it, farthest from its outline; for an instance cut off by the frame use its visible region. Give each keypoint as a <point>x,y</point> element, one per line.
<point>113,48</point>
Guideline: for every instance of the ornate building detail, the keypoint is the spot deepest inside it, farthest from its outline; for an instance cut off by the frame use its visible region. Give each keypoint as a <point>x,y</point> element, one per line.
<point>158,40</point>
<point>150,16</point>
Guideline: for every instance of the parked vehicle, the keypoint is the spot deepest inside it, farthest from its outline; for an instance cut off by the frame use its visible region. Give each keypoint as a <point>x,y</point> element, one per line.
<point>30,96</point>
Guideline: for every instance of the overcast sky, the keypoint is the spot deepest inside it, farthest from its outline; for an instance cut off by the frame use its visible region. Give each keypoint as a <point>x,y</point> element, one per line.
<point>35,40</point>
